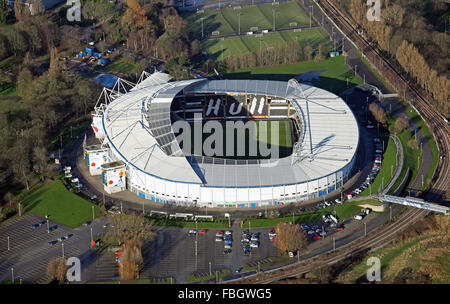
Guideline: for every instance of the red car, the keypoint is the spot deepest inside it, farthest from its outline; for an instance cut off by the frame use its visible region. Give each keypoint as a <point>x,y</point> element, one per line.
<point>203,231</point>
<point>316,236</point>
<point>339,228</point>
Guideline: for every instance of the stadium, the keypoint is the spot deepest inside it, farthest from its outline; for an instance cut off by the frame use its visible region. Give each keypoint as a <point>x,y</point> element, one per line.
<point>315,133</point>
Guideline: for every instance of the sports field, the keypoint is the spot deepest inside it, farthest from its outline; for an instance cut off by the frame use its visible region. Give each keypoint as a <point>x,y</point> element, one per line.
<point>262,135</point>
<point>259,17</point>
<point>235,46</point>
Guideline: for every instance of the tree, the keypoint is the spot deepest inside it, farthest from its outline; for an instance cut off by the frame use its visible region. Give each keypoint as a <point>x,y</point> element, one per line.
<point>57,269</point>
<point>4,11</point>
<point>24,80</point>
<point>196,48</point>
<point>400,125</point>
<point>378,113</point>
<point>290,238</point>
<point>308,51</point>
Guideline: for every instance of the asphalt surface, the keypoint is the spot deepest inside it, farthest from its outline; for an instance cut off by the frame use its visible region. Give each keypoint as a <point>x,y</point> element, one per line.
<point>30,252</point>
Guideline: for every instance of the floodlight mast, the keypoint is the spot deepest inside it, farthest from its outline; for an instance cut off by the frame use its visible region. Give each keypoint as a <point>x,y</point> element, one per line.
<point>297,87</point>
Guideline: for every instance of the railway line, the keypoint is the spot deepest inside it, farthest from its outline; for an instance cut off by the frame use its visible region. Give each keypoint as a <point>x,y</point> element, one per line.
<point>435,121</point>
<point>380,236</point>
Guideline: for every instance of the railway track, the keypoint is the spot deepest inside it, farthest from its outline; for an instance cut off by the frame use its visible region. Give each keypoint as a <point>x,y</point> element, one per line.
<point>435,121</point>
<point>370,241</point>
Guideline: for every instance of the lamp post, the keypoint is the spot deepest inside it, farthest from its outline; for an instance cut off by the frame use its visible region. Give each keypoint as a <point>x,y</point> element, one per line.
<point>202,25</point>
<point>239,23</point>
<point>8,243</point>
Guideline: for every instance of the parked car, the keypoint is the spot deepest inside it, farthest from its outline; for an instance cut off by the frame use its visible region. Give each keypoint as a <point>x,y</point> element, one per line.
<point>340,227</point>
<point>247,249</point>
<point>219,233</point>
<point>328,204</point>
<point>358,217</point>
<point>291,254</point>
<point>254,244</point>
<point>316,236</point>
<point>227,246</point>
<point>227,251</point>
<point>51,243</point>
<point>34,226</point>
<point>202,231</point>
<point>219,239</point>
<point>192,232</point>
<point>62,238</point>
<point>228,232</point>
<point>86,223</point>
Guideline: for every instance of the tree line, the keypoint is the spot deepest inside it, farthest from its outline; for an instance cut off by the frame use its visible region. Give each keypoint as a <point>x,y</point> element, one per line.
<point>288,53</point>
<point>413,33</point>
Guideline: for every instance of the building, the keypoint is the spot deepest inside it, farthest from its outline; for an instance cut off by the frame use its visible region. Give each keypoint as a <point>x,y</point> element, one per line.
<point>136,123</point>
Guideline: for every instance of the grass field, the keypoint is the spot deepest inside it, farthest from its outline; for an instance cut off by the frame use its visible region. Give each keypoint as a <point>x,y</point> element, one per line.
<point>120,66</point>
<point>264,135</point>
<point>333,73</point>
<point>63,206</point>
<point>234,46</point>
<point>226,20</point>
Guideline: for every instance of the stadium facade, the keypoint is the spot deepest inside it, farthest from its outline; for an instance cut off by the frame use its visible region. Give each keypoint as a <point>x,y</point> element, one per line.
<point>135,124</point>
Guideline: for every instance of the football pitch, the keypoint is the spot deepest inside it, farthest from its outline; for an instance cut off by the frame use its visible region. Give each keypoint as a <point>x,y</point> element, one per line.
<point>251,18</point>
<point>234,46</point>
<point>247,133</point>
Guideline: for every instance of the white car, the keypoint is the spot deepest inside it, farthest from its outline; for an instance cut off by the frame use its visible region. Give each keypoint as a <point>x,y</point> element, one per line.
<point>227,246</point>
<point>370,127</point>
<point>254,244</point>
<point>228,232</point>
<point>328,204</point>
<point>338,201</point>
<point>358,217</point>
<point>192,232</point>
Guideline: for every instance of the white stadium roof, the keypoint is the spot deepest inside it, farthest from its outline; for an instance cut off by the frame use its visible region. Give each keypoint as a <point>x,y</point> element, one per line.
<point>330,145</point>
